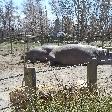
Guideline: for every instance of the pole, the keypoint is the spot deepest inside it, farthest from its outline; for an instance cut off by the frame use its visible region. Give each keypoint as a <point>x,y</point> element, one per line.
<point>92,74</point>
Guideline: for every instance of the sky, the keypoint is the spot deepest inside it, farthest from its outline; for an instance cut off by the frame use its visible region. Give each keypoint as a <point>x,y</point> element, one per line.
<point>19,3</point>
<point>51,16</point>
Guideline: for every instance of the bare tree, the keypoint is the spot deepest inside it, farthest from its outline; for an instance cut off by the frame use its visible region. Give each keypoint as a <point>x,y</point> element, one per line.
<point>9,19</point>
<point>35,21</point>
<point>93,17</point>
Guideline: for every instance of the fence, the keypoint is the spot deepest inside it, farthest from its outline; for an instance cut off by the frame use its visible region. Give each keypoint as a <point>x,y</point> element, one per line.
<point>91,71</point>
<point>31,79</point>
<point>30,75</point>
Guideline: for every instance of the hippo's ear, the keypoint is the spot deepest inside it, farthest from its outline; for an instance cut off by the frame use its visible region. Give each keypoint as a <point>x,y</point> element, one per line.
<point>52,55</point>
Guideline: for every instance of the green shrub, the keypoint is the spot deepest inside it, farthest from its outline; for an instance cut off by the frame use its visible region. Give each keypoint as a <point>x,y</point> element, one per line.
<point>70,100</point>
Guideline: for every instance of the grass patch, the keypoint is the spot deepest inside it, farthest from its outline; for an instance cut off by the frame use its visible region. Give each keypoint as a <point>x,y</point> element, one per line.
<point>5,47</point>
<point>69,100</point>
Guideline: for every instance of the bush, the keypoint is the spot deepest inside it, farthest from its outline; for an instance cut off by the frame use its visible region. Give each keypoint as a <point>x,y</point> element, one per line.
<point>70,99</point>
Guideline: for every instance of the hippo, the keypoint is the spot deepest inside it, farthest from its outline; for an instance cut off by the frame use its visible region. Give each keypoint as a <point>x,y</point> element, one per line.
<point>49,47</point>
<point>36,54</point>
<point>74,54</point>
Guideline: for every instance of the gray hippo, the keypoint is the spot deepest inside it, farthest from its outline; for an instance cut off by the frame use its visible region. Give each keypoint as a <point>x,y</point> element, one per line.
<point>49,47</point>
<point>36,54</point>
<point>74,54</point>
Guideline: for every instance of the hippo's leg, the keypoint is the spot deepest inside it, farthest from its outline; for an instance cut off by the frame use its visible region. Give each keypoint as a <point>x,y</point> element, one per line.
<point>33,59</point>
<point>52,63</point>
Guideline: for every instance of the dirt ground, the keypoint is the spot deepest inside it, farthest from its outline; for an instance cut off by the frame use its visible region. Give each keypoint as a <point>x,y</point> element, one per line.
<point>11,75</point>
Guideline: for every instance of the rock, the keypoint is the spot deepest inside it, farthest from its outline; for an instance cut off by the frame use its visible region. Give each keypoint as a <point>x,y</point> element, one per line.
<point>36,54</point>
<point>109,55</point>
<point>74,54</point>
<point>101,53</point>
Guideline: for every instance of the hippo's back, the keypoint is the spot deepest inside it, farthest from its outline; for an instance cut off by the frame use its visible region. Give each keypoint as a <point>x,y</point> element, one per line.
<point>72,54</point>
<point>49,47</point>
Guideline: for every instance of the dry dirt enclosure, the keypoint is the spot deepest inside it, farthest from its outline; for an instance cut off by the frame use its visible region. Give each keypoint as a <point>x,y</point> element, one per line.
<point>11,74</point>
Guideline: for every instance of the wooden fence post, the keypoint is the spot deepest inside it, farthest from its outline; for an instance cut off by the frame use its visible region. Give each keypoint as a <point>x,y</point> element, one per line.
<point>30,83</point>
<point>30,78</point>
<point>92,74</point>
<point>10,35</point>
